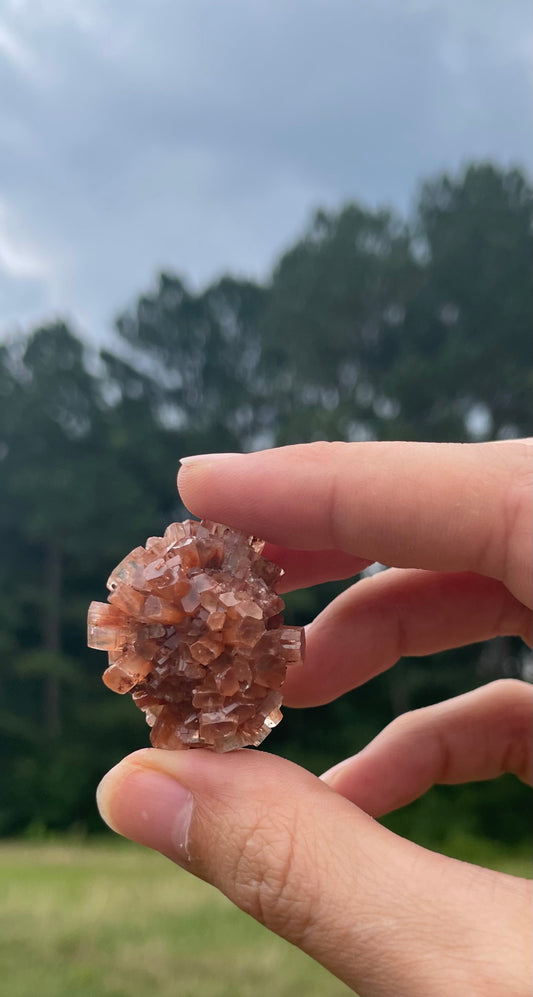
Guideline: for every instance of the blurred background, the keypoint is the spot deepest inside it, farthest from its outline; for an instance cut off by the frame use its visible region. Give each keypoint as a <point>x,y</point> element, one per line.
<point>225,226</point>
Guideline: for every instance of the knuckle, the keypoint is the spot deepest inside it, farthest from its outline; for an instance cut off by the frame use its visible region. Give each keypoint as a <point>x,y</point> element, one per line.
<point>411,724</point>
<point>516,520</point>
<point>269,876</point>
<point>428,739</point>
<point>513,617</point>
<point>325,450</point>
<point>511,692</point>
<point>514,699</point>
<point>334,455</point>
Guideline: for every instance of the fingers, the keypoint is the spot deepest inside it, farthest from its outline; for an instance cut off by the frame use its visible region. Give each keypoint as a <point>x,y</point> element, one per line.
<point>317,870</point>
<point>446,507</point>
<point>399,612</point>
<point>480,735</point>
<point>311,567</point>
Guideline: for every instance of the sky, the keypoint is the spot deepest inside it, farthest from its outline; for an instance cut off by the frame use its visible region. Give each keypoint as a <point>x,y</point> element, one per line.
<point>198,136</point>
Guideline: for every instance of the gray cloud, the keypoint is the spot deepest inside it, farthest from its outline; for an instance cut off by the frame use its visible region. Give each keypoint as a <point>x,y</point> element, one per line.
<point>199,134</point>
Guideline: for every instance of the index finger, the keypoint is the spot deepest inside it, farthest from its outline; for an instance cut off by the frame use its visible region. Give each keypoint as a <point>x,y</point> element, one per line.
<point>445,507</point>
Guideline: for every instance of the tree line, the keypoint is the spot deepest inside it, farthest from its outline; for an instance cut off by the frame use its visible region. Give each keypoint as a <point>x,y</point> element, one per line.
<point>370,326</point>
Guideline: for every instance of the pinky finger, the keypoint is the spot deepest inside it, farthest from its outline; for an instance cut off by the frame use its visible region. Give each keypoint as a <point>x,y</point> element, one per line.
<point>477,736</point>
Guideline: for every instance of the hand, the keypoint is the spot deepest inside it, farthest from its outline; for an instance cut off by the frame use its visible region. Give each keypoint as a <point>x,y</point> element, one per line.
<point>304,855</point>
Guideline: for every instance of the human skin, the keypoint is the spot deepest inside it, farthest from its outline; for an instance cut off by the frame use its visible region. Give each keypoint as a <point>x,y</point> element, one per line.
<point>305,856</point>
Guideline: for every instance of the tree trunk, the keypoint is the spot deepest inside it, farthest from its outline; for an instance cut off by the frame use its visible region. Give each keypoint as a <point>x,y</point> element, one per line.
<point>52,636</point>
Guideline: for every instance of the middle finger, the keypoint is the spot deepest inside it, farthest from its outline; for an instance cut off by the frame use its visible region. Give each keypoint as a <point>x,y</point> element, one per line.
<point>399,612</point>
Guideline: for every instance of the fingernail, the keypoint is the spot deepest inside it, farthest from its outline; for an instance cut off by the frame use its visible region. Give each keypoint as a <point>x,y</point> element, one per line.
<point>149,807</point>
<point>205,458</point>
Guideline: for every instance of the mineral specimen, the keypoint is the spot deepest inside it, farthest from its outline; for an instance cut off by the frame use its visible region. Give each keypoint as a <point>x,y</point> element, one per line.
<point>194,630</point>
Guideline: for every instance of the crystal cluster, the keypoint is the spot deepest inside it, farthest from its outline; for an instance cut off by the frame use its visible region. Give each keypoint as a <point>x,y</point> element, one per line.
<point>194,631</point>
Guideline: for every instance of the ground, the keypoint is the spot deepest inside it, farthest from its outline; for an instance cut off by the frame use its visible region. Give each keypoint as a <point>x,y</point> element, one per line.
<point>108,919</point>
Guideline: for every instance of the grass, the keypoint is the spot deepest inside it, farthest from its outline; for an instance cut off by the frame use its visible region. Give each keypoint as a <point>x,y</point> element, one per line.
<point>118,921</point>
<point>113,920</point>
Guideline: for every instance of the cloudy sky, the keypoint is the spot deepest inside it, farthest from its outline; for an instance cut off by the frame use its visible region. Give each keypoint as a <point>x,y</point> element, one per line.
<point>198,135</point>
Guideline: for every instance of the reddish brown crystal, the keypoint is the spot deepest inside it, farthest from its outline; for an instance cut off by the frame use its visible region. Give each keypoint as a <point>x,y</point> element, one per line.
<point>194,631</point>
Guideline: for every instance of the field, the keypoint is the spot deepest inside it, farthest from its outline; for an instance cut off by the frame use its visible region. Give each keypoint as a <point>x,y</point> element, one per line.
<point>112,920</point>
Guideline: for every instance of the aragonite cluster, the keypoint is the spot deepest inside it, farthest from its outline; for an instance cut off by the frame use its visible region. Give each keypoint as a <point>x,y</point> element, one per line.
<point>194,630</point>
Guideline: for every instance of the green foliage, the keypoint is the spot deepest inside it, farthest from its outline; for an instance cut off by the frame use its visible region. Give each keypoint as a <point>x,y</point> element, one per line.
<point>371,326</point>
<point>377,329</point>
<point>203,353</point>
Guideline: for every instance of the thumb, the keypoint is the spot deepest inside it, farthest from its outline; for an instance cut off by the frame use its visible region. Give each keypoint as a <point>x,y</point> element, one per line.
<point>381,913</point>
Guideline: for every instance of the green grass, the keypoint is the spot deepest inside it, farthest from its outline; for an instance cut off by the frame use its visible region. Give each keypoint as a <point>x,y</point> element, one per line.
<point>114,920</point>
<point>119,921</point>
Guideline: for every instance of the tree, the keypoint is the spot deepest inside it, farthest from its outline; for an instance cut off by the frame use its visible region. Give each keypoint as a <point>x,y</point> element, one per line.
<point>374,328</point>
<point>369,327</point>
<point>460,362</point>
<point>202,353</point>
<point>378,329</point>
<point>332,296</point>
<point>75,492</point>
